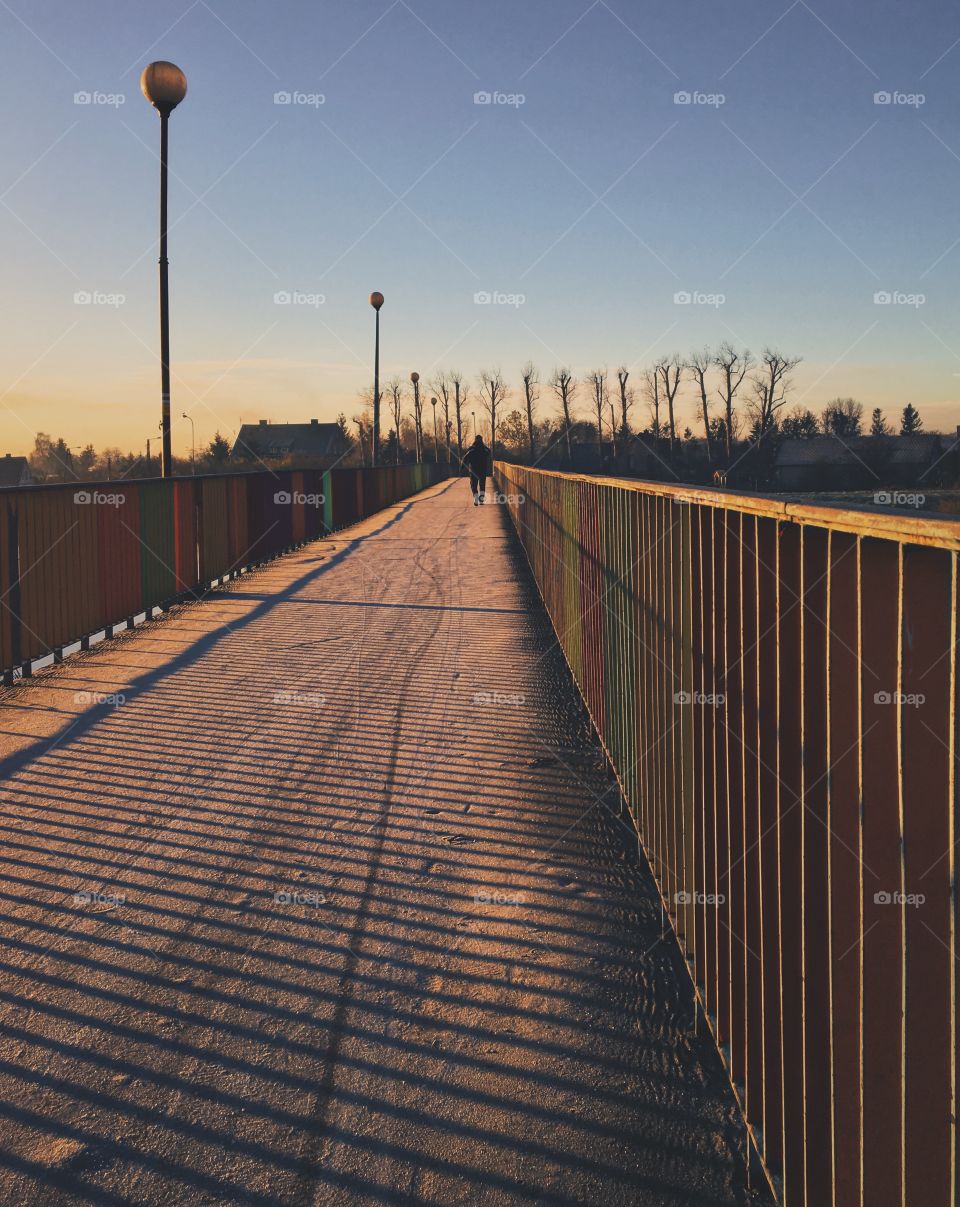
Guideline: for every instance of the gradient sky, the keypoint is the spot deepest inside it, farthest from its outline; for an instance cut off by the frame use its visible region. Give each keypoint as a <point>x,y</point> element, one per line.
<point>597,199</point>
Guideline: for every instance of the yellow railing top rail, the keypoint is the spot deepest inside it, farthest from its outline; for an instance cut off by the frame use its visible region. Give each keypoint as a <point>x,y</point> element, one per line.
<point>894,524</point>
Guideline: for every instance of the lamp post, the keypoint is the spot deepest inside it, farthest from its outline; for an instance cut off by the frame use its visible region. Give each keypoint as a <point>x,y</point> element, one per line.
<point>474,414</point>
<point>164,85</point>
<point>415,378</point>
<point>193,444</point>
<point>436,438</point>
<point>376,301</point>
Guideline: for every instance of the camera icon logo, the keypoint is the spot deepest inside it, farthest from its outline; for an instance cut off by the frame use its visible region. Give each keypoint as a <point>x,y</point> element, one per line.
<point>81,496</point>
<point>682,298</point>
<point>682,98</point>
<point>483,98</point>
<point>282,496</point>
<point>882,98</point>
<point>283,98</point>
<point>282,298</point>
<point>482,298</point>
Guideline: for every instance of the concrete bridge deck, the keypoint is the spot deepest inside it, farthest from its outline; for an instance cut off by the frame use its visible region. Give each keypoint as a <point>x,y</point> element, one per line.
<point>314,892</point>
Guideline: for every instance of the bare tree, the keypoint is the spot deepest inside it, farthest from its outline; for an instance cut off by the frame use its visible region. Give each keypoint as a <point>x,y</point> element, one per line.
<point>493,392</point>
<point>699,365</point>
<point>770,385</point>
<point>441,383</point>
<point>733,366</point>
<point>842,417</point>
<point>651,389</point>
<point>626,401</point>
<point>564,386</point>
<point>531,392</point>
<point>395,390</point>
<point>671,369</point>
<point>460,395</point>
<point>598,391</point>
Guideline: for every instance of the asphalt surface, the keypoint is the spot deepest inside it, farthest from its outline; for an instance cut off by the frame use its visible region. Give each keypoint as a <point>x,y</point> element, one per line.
<point>315,892</point>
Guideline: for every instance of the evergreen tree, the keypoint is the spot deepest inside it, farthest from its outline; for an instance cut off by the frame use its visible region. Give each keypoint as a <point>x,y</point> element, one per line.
<point>878,425</point>
<point>910,421</point>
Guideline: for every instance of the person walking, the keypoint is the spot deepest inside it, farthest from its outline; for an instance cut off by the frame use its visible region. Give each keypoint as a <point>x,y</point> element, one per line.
<point>477,461</point>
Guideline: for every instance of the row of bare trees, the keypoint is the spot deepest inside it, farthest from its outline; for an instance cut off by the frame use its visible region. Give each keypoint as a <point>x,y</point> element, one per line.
<point>732,391</point>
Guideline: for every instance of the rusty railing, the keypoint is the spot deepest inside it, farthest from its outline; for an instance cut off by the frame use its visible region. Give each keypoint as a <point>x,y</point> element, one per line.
<point>79,558</point>
<point>776,688</point>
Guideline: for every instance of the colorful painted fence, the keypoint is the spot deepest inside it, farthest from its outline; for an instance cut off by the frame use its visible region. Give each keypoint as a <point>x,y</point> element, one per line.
<point>776,686</point>
<point>76,558</point>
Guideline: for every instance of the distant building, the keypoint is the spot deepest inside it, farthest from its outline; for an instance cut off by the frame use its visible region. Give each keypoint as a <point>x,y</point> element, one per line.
<point>15,471</point>
<point>824,463</point>
<point>311,441</point>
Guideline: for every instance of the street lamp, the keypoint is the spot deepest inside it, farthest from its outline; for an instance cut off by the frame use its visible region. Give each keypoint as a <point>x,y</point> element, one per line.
<point>193,444</point>
<point>376,301</point>
<point>415,378</point>
<point>474,414</point>
<point>164,85</point>
<point>436,438</point>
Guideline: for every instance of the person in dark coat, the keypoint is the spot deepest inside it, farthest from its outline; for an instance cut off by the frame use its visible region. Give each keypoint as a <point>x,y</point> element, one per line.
<point>477,462</point>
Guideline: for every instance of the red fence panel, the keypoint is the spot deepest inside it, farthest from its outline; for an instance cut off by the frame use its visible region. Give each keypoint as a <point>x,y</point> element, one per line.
<point>792,692</point>
<point>77,558</point>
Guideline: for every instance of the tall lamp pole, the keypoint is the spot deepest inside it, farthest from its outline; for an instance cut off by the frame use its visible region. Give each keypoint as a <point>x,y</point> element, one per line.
<point>164,85</point>
<point>415,378</point>
<point>376,301</point>
<point>436,438</point>
<point>193,443</point>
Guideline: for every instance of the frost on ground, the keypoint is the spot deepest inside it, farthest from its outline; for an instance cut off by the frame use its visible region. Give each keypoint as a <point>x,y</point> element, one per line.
<point>335,906</point>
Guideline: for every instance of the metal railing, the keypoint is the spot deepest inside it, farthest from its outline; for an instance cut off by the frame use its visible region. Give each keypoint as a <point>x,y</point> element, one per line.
<point>79,558</point>
<point>776,688</point>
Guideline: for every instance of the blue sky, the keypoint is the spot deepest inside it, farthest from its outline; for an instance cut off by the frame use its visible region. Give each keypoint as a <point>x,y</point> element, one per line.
<point>783,188</point>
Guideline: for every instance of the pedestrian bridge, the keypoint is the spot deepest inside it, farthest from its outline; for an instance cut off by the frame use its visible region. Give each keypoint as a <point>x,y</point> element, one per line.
<point>568,850</point>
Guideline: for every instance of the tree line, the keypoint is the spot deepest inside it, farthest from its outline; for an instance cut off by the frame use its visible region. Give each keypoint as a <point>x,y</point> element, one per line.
<point>736,399</point>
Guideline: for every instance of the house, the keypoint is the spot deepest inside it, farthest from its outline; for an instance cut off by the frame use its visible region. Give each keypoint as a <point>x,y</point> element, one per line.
<point>824,463</point>
<point>15,471</point>
<point>311,441</point>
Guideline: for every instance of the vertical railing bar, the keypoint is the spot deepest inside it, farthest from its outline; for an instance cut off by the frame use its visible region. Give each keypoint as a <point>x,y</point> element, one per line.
<point>903,886</point>
<point>829,807</point>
